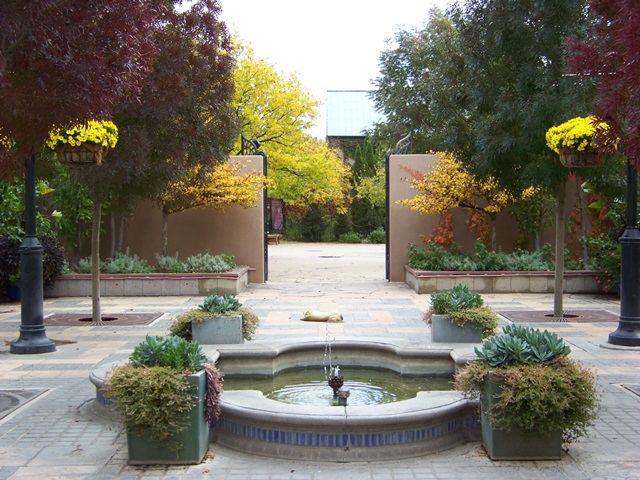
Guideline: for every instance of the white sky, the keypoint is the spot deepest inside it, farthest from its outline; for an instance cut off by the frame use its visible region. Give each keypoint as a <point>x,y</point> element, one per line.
<point>329,44</point>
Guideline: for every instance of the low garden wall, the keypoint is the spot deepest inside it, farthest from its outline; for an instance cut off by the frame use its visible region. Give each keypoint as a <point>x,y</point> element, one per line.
<point>575,281</point>
<point>152,284</point>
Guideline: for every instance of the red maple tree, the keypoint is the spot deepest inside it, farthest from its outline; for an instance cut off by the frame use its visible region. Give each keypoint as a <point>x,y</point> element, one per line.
<point>611,56</point>
<point>67,60</point>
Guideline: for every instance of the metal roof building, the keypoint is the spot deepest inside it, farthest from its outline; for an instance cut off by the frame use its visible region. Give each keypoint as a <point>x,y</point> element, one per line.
<point>350,113</point>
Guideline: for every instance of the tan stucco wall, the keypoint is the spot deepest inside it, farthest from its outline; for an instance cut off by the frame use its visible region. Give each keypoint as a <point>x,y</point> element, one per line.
<point>235,230</point>
<point>407,226</point>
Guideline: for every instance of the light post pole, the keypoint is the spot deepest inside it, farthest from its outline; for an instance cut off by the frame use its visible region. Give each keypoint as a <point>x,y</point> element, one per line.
<point>33,338</point>
<point>628,331</point>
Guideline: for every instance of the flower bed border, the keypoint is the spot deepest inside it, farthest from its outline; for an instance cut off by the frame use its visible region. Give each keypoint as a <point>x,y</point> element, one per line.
<point>152,284</point>
<point>575,281</point>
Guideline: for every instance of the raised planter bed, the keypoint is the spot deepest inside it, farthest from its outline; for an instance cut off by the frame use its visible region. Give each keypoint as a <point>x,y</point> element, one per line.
<point>152,284</point>
<point>575,281</point>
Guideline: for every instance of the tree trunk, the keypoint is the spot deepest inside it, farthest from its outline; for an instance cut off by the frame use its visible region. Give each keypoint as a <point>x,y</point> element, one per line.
<point>494,232</point>
<point>165,233</point>
<point>583,221</point>
<point>124,220</point>
<point>559,274</point>
<point>112,237</point>
<point>95,262</point>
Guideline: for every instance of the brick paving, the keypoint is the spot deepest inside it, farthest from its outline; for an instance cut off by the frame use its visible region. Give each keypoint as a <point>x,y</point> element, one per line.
<point>55,436</point>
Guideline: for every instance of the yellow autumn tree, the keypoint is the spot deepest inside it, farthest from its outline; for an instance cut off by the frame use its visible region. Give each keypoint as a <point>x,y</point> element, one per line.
<point>225,185</point>
<point>449,184</point>
<point>277,110</point>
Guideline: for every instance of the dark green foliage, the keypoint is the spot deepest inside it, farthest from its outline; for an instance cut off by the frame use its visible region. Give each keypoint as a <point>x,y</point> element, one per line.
<point>454,299</point>
<point>314,224</point>
<point>438,258</point>
<point>72,199</point>
<point>172,352</point>
<point>522,345</point>
<point>377,236</point>
<point>220,303</point>
<point>366,217</point>
<point>9,259</point>
<point>342,225</point>
<point>53,258</point>
<point>351,237</point>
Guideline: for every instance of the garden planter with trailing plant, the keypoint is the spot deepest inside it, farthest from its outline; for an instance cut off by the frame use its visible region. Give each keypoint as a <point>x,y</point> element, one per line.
<point>533,397</point>
<point>459,315</point>
<point>167,395</point>
<point>192,443</point>
<point>515,443</point>
<point>220,319</point>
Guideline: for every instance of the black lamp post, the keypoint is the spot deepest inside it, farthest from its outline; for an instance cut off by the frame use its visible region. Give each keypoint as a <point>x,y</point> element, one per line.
<point>628,331</point>
<point>33,338</point>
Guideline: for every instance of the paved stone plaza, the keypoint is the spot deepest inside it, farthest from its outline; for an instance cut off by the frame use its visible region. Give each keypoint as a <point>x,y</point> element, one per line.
<point>48,431</point>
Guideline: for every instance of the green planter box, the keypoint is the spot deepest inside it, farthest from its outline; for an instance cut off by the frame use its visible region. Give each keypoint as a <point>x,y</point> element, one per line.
<point>194,440</point>
<point>445,331</point>
<point>515,444</point>
<point>218,330</point>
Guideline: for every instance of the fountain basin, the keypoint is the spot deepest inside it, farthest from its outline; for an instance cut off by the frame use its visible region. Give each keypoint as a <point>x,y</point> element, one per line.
<point>430,422</point>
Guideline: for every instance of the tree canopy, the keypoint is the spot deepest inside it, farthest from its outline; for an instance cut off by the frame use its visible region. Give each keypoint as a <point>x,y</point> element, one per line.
<point>485,81</point>
<point>68,60</point>
<point>276,109</point>
<point>451,185</point>
<point>611,57</point>
<point>183,117</point>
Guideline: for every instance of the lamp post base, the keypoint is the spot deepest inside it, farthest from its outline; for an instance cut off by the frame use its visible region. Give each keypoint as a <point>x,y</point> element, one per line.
<point>628,331</point>
<point>627,334</point>
<point>32,343</point>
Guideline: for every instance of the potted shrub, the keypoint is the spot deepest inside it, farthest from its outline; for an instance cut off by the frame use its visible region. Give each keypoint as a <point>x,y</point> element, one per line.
<point>533,397</point>
<point>220,319</point>
<point>458,315</point>
<point>166,394</point>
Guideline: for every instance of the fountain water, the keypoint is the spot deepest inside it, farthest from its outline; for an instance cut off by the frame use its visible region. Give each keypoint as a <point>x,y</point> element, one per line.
<point>429,422</point>
<point>335,381</point>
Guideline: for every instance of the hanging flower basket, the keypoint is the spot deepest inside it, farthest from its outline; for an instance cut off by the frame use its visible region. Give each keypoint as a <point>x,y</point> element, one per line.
<point>84,153</point>
<point>573,142</point>
<point>83,143</point>
<point>573,158</point>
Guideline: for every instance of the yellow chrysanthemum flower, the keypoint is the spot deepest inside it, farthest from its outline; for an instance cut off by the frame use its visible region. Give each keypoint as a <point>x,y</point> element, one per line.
<point>576,133</point>
<point>103,133</point>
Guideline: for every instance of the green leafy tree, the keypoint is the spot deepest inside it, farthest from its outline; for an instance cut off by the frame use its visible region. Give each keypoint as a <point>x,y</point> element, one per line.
<point>276,110</point>
<point>506,69</point>
<point>422,85</point>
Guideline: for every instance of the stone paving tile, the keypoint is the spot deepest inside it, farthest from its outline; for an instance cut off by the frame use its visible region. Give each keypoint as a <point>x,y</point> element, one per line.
<point>55,437</point>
